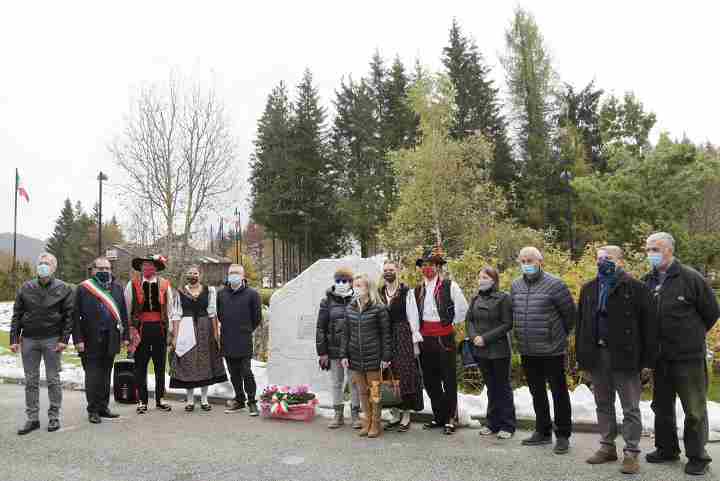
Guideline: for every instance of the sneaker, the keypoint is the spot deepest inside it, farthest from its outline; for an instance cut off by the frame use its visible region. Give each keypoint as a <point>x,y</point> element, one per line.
<point>505,435</point>
<point>253,410</point>
<point>630,464</point>
<point>486,431</point>
<point>659,456</point>
<point>161,406</point>
<point>53,425</point>
<point>234,406</point>
<point>562,445</point>
<point>537,439</point>
<point>602,456</point>
<point>696,467</point>
<point>29,427</point>
<point>141,408</point>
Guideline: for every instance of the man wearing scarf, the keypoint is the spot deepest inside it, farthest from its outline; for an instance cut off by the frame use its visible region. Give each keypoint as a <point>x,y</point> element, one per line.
<point>101,323</point>
<point>147,297</point>
<point>436,305</point>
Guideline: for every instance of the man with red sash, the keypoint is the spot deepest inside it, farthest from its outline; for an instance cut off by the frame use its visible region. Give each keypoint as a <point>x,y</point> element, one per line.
<point>437,305</point>
<point>100,324</point>
<point>148,296</point>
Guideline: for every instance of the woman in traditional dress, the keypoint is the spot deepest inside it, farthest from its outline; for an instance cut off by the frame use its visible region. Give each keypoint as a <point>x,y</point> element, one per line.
<point>405,339</point>
<point>199,363</point>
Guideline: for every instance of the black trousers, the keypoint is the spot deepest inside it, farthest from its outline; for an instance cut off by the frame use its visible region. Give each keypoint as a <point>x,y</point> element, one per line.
<point>540,370</point>
<point>501,405</point>
<point>687,380</point>
<point>440,378</point>
<point>98,369</point>
<point>153,345</point>
<point>242,378</point>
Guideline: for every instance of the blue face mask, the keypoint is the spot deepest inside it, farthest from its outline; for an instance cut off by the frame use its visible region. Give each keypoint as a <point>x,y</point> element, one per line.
<point>43,271</point>
<point>606,267</point>
<point>235,279</point>
<point>655,259</point>
<point>529,269</point>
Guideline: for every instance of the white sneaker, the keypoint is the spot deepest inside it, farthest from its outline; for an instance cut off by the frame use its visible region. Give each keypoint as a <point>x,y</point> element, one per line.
<point>504,435</point>
<point>486,431</point>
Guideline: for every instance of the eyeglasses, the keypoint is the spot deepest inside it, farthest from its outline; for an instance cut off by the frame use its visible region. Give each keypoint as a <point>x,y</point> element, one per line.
<point>342,281</point>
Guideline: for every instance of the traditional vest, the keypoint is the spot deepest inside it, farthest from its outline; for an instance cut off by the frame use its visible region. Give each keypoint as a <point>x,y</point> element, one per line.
<point>192,307</point>
<point>149,300</point>
<point>444,303</point>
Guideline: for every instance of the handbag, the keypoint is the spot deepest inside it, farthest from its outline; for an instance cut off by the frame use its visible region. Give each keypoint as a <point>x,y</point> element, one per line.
<point>386,392</point>
<point>467,351</point>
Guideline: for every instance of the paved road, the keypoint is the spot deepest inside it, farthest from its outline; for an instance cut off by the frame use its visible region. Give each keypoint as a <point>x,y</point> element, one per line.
<point>216,446</point>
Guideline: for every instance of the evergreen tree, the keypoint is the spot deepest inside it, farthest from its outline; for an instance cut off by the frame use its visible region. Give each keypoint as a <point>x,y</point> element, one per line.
<point>400,123</point>
<point>58,243</point>
<point>477,108</point>
<point>579,111</point>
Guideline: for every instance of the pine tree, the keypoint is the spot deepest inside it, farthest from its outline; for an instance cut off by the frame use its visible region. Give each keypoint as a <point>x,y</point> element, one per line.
<point>400,123</point>
<point>477,106</point>
<point>57,245</point>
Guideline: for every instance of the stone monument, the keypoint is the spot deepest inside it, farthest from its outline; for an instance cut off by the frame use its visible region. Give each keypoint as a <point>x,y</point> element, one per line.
<point>293,316</point>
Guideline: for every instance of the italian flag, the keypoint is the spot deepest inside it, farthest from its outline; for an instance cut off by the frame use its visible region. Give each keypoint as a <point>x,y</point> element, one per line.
<point>21,190</point>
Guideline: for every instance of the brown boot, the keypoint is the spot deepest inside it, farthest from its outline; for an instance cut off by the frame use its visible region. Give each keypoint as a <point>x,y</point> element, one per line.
<point>376,427</point>
<point>366,421</point>
<point>603,455</point>
<point>630,464</point>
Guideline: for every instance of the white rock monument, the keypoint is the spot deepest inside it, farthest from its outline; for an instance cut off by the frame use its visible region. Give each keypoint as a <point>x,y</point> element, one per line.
<point>293,316</point>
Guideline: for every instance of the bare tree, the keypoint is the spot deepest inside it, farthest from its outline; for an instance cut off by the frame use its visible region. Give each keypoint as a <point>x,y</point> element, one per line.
<point>180,159</point>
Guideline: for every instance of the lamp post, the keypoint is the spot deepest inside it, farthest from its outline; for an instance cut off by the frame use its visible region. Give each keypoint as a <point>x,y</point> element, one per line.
<point>100,179</point>
<point>238,235</point>
<point>567,176</point>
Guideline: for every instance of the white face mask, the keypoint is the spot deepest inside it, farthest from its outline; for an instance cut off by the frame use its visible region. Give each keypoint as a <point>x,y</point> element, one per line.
<point>361,292</point>
<point>342,289</point>
<point>485,284</point>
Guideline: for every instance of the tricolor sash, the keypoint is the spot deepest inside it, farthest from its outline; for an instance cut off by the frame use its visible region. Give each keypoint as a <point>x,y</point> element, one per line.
<point>105,298</point>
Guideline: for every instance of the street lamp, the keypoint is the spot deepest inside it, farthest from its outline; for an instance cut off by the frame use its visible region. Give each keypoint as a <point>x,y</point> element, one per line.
<point>567,177</point>
<point>100,179</point>
<point>238,235</point>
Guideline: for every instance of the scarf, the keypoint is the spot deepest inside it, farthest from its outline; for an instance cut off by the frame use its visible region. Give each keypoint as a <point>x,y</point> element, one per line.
<point>607,283</point>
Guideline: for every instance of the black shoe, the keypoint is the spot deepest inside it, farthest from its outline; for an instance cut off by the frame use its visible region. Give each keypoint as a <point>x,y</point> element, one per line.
<point>53,425</point>
<point>659,456</point>
<point>29,427</point>
<point>391,426</point>
<point>141,408</point>
<point>94,418</point>
<point>206,407</point>
<point>108,414</point>
<point>253,410</point>
<point>432,425</point>
<point>189,408</point>
<point>449,429</point>
<point>562,445</point>
<point>234,406</point>
<point>537,439</point>
<point>163,407</point>
<point>696,467</point>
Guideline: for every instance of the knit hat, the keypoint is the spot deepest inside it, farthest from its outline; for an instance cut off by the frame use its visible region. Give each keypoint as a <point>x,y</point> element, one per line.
<point>343,273</point>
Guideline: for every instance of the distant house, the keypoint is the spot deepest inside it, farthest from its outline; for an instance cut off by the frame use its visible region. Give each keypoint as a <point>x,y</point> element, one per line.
<point>213,269</point>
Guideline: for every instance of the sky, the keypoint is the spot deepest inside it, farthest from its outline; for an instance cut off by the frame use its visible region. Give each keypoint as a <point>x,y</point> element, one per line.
<point>69,70</point>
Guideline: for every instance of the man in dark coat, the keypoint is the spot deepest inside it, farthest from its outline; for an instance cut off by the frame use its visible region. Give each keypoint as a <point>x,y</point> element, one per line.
<point>615,339</point>
<point>686,310</point>
<point>40,329</point>
<point>239,313</point>
<point>101,323</point>
<point>543,316</point>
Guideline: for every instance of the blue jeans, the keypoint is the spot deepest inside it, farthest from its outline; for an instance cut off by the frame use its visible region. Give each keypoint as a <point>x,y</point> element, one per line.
<point>34,350</point>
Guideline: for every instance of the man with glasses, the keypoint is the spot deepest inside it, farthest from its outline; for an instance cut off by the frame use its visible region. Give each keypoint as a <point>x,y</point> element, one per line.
<point>328,333</point>
<point>101,324</point>
<point>686,310</point>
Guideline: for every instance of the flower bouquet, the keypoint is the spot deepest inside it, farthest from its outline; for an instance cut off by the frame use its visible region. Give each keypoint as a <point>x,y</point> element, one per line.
<point>284,402</point>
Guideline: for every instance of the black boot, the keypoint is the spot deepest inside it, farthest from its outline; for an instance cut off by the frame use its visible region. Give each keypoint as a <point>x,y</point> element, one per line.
<point>537,439</point>
<point>696,467</point>
<point>29,427</point>
<point>660,456</point>
<point>94,418</point>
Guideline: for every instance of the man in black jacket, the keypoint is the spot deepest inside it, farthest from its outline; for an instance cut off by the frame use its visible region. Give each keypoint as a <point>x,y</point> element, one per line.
<point>101,322</point>
<point>239,311</point>
<point>615,339</point>
<point>41,326</point>
<point>686,309</point>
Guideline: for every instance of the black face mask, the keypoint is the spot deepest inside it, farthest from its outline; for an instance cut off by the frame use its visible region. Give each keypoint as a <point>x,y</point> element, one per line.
<point>192,280</point>
<point>390,277</point>
<point>103,277</point>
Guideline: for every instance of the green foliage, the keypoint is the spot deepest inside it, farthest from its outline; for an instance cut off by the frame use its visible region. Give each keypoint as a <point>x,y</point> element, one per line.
<point>624,125</point>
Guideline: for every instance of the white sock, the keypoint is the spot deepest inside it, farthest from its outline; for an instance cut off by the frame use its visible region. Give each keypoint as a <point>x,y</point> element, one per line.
<point>190,396</point>
<point>203,394</point>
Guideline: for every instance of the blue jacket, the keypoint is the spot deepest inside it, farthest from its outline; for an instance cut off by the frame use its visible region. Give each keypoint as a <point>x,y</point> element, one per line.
<point>90,315</point>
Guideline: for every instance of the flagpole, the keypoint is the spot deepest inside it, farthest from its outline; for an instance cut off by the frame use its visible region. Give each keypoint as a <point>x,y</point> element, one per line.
<point>14,255</point>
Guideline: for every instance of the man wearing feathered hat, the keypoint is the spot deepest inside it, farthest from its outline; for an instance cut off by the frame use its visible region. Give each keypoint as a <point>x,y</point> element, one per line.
<point>438,304</point>
<point>148,298</point>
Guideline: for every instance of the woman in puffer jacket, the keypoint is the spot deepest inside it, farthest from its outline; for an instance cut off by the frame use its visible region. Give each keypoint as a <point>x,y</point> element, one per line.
<point>366,348</point>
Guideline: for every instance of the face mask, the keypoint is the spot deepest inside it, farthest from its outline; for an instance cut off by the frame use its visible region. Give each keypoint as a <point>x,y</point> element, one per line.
<point>235,279</point>
<point>655,259</point>
<point>43,271</point>
<point>606,267</point>
<point>149,272</point>
<point>342,288</point>
<point>530,269</point>
<point>485,284</point>
<point>429,272</point>
<point>361,292</point>
<point>390,277</point>
<point>103,277</point>
<point>192,280</point>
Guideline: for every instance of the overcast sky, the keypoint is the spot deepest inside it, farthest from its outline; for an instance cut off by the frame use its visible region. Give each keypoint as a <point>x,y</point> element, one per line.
<point>68,70</point>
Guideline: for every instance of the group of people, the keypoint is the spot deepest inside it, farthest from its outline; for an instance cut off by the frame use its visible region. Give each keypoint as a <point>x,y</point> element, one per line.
<point>622,326</point>
<point>195,326</point>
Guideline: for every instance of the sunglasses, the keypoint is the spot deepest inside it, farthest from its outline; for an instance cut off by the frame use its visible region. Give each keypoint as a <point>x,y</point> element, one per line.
<point>342,281</point>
